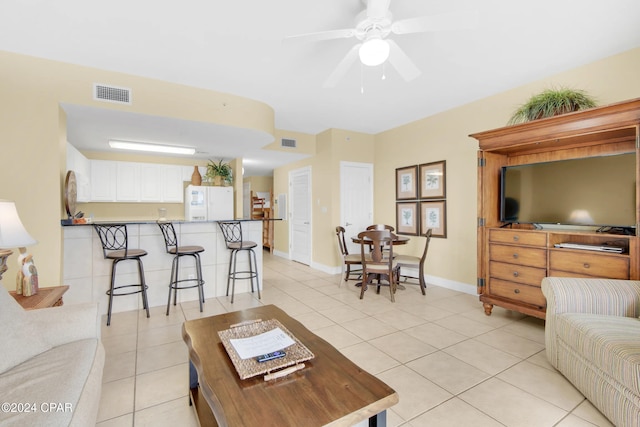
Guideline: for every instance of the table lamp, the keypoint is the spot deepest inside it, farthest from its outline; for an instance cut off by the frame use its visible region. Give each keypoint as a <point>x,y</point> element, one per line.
<point>14,235</point>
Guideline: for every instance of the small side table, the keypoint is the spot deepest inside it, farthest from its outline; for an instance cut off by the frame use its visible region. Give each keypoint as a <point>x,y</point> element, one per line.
<point>46,297</point>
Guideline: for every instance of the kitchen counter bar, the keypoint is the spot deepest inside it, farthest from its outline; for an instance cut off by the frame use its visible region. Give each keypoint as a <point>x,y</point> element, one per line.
<point>88,274</point>
<point>66,223</point>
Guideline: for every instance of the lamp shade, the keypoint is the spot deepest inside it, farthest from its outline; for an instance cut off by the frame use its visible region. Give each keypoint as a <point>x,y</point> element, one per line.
<point>12,232</point>
<point>374,51</point>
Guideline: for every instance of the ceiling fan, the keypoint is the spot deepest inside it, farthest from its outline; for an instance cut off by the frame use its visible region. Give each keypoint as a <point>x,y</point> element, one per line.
<point>373,27</point>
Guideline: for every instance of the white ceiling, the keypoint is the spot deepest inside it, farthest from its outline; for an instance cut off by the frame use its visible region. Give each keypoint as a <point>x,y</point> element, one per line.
<point>236,47</point>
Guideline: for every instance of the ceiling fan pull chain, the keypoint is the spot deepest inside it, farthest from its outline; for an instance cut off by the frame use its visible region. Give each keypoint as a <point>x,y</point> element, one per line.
<point>361,79</point>
<point>384,75</point>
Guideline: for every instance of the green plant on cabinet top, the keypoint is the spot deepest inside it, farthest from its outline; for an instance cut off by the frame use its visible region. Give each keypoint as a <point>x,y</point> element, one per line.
<point>552,102</point>
<point>219,173</point>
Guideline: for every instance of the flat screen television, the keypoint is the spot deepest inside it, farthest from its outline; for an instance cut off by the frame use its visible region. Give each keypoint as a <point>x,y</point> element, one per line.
<point>594,191</point>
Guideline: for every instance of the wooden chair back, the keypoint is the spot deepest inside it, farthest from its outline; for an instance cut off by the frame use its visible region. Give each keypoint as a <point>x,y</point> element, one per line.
<point>341,242</point>
<point>381,253</point>
<point>381,227</point>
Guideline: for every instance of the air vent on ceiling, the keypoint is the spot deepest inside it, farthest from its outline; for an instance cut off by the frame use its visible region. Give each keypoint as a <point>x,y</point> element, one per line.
<point>286,142</point>
<point>120,95</point>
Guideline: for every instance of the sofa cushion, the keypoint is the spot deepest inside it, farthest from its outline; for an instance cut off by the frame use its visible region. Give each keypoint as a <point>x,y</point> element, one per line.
<point>17,334</point>
<point>57,377</point>
<point>611,343</point>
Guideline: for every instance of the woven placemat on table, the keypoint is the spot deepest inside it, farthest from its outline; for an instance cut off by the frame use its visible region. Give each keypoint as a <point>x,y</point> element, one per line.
<point>248,368</point>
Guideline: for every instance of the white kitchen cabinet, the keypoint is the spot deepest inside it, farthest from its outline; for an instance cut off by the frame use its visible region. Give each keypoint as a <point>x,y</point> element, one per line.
<point>150,182</point>
<point>81,166</point>
<point>127,182</point>
<point>161,183</point>
<point>172,184</point>
<point>131,182</point>
<point>103,181</point>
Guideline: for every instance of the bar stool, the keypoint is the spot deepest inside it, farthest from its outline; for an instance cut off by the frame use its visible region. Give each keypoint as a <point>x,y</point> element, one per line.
<point>232,233</point>
<point>115,246</point>
<point>173,248</point>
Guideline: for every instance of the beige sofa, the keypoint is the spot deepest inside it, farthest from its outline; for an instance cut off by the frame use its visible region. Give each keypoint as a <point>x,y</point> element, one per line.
<point>592,337</point>
<point>51,364</point>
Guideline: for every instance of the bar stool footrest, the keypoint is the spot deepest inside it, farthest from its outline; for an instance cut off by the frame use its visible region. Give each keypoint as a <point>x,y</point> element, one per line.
<point>117,294</point>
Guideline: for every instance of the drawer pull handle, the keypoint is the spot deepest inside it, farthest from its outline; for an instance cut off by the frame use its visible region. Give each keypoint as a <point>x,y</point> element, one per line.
<point>515,274</point>
<point>586,265</point>
<point>515,256</point>
<point>517,291</point>
<point>516,238</point>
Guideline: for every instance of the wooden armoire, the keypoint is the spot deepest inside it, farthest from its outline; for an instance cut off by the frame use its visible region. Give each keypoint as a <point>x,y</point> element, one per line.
<point>513,260</point>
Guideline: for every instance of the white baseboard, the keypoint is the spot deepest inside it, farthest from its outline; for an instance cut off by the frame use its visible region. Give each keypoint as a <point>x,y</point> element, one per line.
<point>429,279</point>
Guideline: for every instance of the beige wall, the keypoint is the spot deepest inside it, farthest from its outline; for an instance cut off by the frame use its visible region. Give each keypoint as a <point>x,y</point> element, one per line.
<point>32,127</point>
<point>260,183</point>
<point>331,147</point>
<point>444,136</point>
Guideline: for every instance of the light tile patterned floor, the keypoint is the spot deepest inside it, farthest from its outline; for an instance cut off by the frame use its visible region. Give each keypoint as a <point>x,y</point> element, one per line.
<point>450,363</point>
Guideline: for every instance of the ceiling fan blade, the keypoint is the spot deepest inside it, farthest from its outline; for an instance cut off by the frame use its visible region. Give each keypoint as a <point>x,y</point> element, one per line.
<point>342,67</point>
<point>322,35</point>
<point>377,9</point>
<point>440,22</point>
<point>402,63</point>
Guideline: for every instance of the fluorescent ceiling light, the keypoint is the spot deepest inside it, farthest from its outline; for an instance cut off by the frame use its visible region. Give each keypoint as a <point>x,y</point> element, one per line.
<point>156,148</point>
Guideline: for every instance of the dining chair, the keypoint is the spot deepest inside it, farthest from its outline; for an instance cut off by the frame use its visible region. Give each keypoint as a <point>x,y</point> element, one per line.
<point>376,264</point>
<point>348,260</point>
<point>414,262</point>
<point>381,227</point>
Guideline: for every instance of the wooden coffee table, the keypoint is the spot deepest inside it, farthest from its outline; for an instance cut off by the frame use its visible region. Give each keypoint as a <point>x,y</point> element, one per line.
<point>329,390</point>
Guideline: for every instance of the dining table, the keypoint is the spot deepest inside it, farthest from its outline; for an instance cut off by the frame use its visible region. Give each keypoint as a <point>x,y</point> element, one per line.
<point>396,240</point>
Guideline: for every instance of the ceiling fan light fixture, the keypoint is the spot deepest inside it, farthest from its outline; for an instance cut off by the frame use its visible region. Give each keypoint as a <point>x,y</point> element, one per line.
<point>156,148</point>
<point>374,51</point>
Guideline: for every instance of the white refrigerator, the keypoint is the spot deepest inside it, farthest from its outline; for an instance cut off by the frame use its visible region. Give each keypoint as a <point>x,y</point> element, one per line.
<point>204,203</point>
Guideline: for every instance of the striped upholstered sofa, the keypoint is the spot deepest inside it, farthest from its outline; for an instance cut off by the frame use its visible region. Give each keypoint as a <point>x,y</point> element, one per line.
<point>592,337</point>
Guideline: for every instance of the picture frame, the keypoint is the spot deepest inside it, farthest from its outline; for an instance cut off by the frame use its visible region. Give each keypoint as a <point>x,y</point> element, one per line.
<point>407,218</point>
<point>433,180</point>
<point>433,214</point>
<point>407,183</point>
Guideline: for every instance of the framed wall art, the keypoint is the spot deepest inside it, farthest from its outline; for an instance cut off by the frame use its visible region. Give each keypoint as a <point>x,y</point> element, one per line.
<point>433,214</point>
<point>407,183</point>
<point>407,218</point>
<point>433,180</point>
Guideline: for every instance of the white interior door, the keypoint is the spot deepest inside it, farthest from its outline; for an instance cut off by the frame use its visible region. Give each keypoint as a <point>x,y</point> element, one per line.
<point>300,215</point>
<point>356,200</point>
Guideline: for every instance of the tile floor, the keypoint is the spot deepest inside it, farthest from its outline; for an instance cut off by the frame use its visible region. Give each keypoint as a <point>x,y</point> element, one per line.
<point>450,364</point>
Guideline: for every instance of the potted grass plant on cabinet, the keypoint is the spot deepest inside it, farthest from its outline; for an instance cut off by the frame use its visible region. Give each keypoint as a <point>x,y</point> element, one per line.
<point>552,102</point>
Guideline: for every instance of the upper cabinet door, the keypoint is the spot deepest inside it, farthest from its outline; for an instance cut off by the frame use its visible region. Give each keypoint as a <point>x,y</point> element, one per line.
<point>103,181</point>
<point>172,186</point>
<point>128,182</point>
<point>151,182</point>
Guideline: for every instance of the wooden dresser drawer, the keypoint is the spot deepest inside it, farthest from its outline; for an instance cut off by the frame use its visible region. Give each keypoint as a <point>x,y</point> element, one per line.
<point>517,292</point>
<point>518,237</point>
<point>589,264</point>
<point>531,257</point>
<point>517,273</point>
